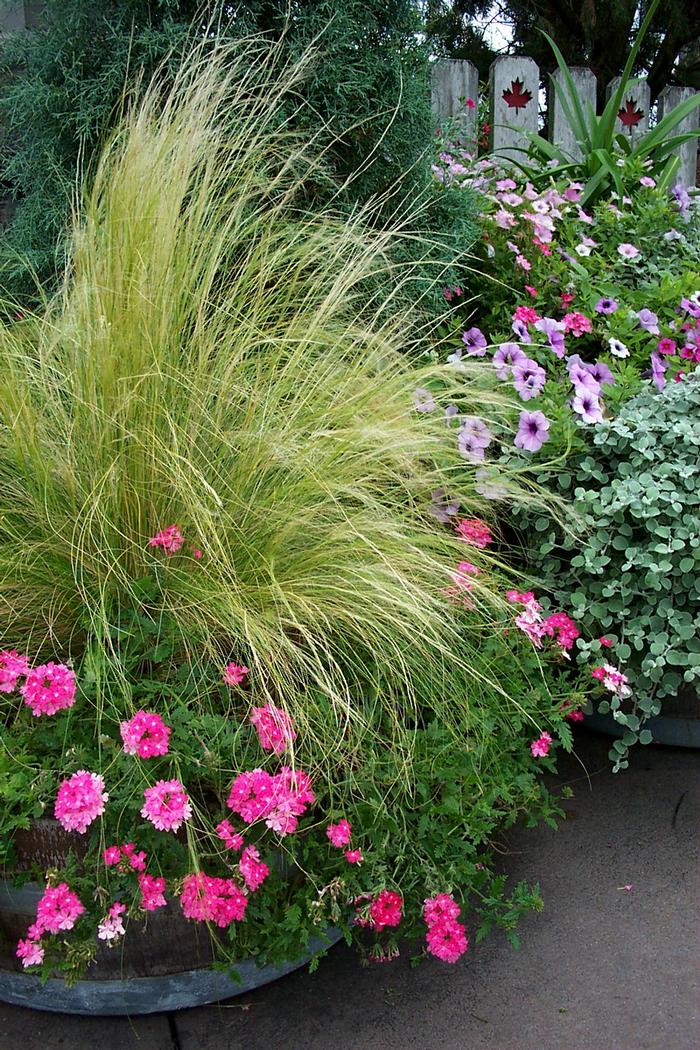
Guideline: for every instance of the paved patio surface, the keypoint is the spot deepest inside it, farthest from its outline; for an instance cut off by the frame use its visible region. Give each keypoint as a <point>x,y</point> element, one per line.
<point>602,968</point>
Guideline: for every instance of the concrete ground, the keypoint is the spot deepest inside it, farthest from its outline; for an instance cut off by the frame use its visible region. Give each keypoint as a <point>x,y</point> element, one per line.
<point>602,968</point>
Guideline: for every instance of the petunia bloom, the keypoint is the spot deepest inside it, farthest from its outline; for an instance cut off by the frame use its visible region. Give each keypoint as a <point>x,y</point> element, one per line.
<point>533,431</point>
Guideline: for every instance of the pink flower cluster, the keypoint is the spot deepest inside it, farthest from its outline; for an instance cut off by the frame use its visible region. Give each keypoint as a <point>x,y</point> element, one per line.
<point>279,800</point>
<point>170,540</point>
<point>152,892</point>
<point>127,853</point>
<point>80,800</point>
<point>565,629</point>
<point>540,747</point>
<point>167,805</point>
<point>274,726</point>
<point>12,667</point>
<point>462,582</point>
<point>613,680</point>
<point>558,625</point>
<point>112,926</point>
<point>475,532</point>
<point>234,674</point>
<point>253,870</point>
<point>230,838</point>
<point>49,688</point>
<point>385,910</point>
<point>206,898</point>
<point>58,909</point>
<point>145,735</point>
<point>446,938</point>
<point>339,835</point>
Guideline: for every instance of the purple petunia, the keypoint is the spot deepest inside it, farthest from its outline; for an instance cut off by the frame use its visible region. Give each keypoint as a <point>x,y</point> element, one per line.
<point>507,355</point>
<point>442,509</point>
<point>601,373</point>
<point>586,404</point>
<point>475,342</point>
<point>554,331</point>
<point>533,431</point>
<point>529,378</point>
<point>520,329</point>
<point>606,306</point>
<point>475,428</point>
<point>423,400</point>
<point>648,321</point>
<point>658,371</point>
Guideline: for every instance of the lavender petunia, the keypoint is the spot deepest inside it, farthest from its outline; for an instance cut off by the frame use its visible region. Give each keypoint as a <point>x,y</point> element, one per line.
<point>601,373</point>
<point>658,370</point>
<point>469,447</point>
<point>606,306</point>
<point>507,355</point>
<point>423,400</point>
<point>533,431</point>
<point>586,404</point>
<point>554,331</point>
<point>475,342</point>
<point>648,321</point>
<point>529,378</point>
<point>442,509</point>
<point>475,428</point>
<point>520,329</point>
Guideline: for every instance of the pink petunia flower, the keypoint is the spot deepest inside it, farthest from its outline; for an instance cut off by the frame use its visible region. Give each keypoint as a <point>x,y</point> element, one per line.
<point>80,800</point>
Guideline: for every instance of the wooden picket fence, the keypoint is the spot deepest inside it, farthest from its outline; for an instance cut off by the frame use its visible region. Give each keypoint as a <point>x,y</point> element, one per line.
<point>514,85</point>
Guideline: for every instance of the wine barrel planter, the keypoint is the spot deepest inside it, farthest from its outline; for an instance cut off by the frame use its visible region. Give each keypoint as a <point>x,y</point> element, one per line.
<point>678,726</point>
<point>163,964</point>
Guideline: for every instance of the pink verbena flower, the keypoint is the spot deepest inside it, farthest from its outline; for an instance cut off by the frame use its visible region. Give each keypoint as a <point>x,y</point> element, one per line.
<point>170,539</point>
<point>12,667</point>
<point>112,926</point>
<point>606,642</point>
<point>145,735</point>
<point>274,727</point>
<point>385,909</point>
<point>234,674</point>
<point>565,629</point>
<point>441,906</point>
<point>251,795</point>
<point>613,680</point>
<point>291,795</point>
<point>530,622</point>
<point>460,578</point>
<point>58,909</point>
<point>339,833</point>
<point>475,532</point>
<point>112,855</point>
<point>447,940</point>
<point>152,892</point>
<point>353,856</point>
<point>526,314</point>
<point>253,870</point>
<point>230,838</point>
<point>167,805</point>
<point>518,598</point>
<point>30,952</point>
<point>49,688</point>
<point>540,747</point>
<point>576,324</point>
<point>206,898</point>
<point>80,800</point>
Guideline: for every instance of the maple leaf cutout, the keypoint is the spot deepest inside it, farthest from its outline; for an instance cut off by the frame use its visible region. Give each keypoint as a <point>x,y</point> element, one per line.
<point>629,114</point>
<point>515,97</point>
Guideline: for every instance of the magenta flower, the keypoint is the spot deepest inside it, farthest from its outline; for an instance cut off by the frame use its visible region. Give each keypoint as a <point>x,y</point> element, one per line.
<point>533,431</point>
<point>12,667</point>
<point>30,952</point>
<point>234,674</point>
<point>230,838</point>
<point>145,735</point>
<point>354,856</point>
<point>166,805</point>
<point>253,870</point>
<point>385,909</point>
<point>667,346</point>
<point>152,892</point>
<point>49,688</point>
<point>58,909</point>
<point>275,730</point>
<point>577,324</point>
<point>540,747</point>
<point>339,834</point>
<point>80,800</point>
<point>170,539</point>
<point>206,898</point>
<point>475,532</point>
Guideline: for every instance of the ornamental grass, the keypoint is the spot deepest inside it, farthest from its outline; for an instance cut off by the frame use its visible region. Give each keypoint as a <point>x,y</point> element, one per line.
<point>214,491</point>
